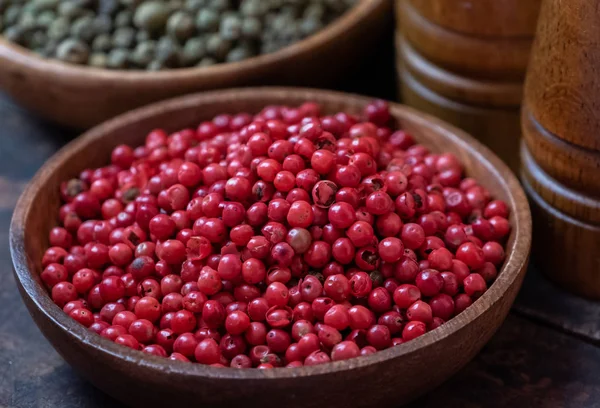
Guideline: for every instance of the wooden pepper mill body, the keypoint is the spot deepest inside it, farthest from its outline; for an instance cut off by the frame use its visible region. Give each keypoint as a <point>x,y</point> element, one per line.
<point>561,143</point>
<point>464,61</point>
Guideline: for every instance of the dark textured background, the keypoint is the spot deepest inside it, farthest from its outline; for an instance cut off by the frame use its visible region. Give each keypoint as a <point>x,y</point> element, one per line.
<point>545,355</point>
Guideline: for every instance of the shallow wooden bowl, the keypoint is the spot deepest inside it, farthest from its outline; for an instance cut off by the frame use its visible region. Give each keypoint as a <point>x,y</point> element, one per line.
<point>80,96</point>
<point>396,375</point>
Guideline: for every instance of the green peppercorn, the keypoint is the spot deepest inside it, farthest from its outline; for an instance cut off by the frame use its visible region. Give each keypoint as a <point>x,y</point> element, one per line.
<point>155,66</point>
<point>38,39</point>
<point>45,19</point>
<point>310,26</point>
<point>253,8</point>
<point>207,62</point>
<point>123,19</point>
<point>207,20</point>
<point>131,3</point>
<point>142,36</point>
<point>143,53</point>
<point>160,34</point>
<point>289,10</point>
<point>102,43</point>
<point>151,16</point>
<point>117,58</point>
<point>231,27</point>
<point>180,25</point>
<point>27,21</point>
<point>11,15</point>
<point>59,28</point>
<point>281,22</point>
<point>218,47</point>
<point>72,50</point>
<point>238,54</point>
<point>83,28</point>
<point>269,47</point>
<point>251,27</point>
<point>219,5</point>
<point>123,37</point>
<point>315,10</point>
<point>168,52</point>
<point>14,34</point>
<point>41,5</point>
<point>49,49</point>
<point>70,9</point>
<point>175,5</point>
<point>85,4</point>
<point>193,51</point>
<point>102,24</point>
<point>108,7</point>
<point>98,60</point>
<point>193,6</point>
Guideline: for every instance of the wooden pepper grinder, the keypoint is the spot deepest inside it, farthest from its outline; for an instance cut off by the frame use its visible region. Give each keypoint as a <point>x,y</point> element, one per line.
<point>464,61</point>
<point>560,150</point>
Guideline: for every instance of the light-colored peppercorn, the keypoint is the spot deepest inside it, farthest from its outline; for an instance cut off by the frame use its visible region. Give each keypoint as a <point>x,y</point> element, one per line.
<point>143,53</point>
<point>151,15</point>
<point>193,51</point>
<point>181,26</point>
<point>73,50</point>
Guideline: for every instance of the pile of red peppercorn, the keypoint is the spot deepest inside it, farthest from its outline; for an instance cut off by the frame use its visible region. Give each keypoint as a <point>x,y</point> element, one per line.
<point>282,239</point>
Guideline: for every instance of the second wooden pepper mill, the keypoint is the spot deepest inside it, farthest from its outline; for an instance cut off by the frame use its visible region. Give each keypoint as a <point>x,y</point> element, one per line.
<point>560,150</point>
<point>464,61</point>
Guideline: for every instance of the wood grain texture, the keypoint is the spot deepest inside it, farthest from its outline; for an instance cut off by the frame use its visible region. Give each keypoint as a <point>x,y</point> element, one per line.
<point>560,196</point>
<point>563,84</point>
<point>139,379</point>
<point>81,96</point>
<point>473,91</point>
<point>544,302</point>
<point>479,57</point>
<point>571,165</point>
<point>525,365</point>
<point>566,248</point>
<point>498,128</point>
<point>560,155</point>
<point>506,18</point>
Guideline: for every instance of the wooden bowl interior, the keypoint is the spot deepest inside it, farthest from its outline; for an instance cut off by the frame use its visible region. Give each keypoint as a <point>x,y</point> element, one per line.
<point>35,211</point>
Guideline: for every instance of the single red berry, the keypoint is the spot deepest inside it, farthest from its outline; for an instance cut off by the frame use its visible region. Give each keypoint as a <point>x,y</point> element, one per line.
<point>413,330</point>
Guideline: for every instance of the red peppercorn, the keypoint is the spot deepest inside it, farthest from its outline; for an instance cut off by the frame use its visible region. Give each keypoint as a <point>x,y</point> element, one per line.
<point>360,317</point>
<point>471,254</point>
<point>337,287</point>
<point>151,238</point>
<point>474,285</point>
<point>413,330</point>
<point>391,249</point>
<point>380,300</point>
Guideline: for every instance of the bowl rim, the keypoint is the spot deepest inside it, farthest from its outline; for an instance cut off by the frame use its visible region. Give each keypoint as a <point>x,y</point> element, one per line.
<point>351,18</point>
<point>514,267</point>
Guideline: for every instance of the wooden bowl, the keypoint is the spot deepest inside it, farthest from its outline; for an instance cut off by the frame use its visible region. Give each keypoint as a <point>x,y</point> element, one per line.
<point>396,375</point>
<point>81,96</point>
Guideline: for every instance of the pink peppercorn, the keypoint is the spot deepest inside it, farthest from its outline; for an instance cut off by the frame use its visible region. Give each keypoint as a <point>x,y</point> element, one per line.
<point>261,241</point>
